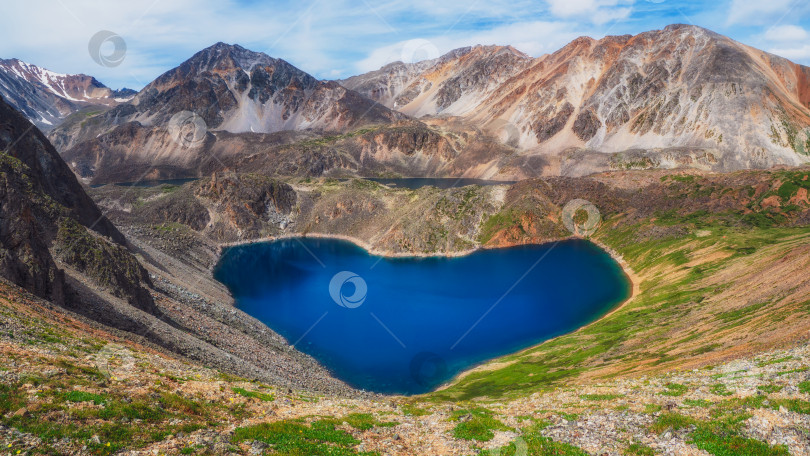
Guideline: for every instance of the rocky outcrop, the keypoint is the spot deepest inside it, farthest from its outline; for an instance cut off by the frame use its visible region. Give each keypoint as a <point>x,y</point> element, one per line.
<point>44,207</point>
<point>109,265</point>
<point>24,256</point>
<point>248,205</point>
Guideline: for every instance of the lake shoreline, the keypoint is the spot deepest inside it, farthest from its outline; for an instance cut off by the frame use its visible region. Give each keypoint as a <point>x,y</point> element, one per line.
<point>633,279</point>
<point>635,289</point>
<point>370,249</point>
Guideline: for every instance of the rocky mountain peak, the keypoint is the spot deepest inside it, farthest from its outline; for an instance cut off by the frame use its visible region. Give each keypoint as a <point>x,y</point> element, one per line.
<point>447,84</point>
<point>46,98</point>
<point>225,88</point>
<point>238,90</point>
<point>222,57</point>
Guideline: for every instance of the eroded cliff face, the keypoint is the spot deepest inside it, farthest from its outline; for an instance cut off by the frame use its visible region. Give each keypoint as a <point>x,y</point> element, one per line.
<point>683,87</point>
<point>47,216</point>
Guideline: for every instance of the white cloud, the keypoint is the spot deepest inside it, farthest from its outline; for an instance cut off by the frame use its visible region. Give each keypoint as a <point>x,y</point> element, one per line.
<point>597,11</point>
<point>748,12</point>
<point>789,41</point>
<point>801,52</point>
<point>784,33</point>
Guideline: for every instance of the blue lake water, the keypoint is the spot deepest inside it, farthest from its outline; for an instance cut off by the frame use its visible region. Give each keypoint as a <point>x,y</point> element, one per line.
<point>407,325</point>
<point>152,183</point>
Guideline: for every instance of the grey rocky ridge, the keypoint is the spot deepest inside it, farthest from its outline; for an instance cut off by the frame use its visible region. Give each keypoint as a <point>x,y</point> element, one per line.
<point>116,338</point>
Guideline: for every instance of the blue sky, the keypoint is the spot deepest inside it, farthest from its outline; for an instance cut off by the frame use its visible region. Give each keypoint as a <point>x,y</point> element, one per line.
<point>339,38</point>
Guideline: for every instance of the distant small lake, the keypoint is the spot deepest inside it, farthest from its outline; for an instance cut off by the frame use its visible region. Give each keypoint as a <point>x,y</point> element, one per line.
<point>152,183</point>
<point>407,325</point>
<point>413,183</point>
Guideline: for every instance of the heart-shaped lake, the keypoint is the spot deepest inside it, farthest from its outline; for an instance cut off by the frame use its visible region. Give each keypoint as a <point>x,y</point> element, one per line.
<point>407,325</point>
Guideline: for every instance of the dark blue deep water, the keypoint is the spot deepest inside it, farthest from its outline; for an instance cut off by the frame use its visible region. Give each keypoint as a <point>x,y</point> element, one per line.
<point>407,325</point>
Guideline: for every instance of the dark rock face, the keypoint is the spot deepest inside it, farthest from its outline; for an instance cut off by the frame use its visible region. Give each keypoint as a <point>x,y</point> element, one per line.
<point>109,265</point>
<point>207,97</point>
<point>587,125</point>
<point>21,140</point>
<point>249,200</point>
<point>180,207</point>
<point>551,123</point>
<point>24,256</point>
<point>408,140</point>
<point>43,205</point>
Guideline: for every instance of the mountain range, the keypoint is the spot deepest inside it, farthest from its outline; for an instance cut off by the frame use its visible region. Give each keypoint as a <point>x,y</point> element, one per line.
<point>46,98</point>
<point>679,97</point>
<point>681,87</point>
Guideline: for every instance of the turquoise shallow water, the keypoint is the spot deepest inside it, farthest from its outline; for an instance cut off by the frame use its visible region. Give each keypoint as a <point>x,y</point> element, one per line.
<point>407,325</point>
